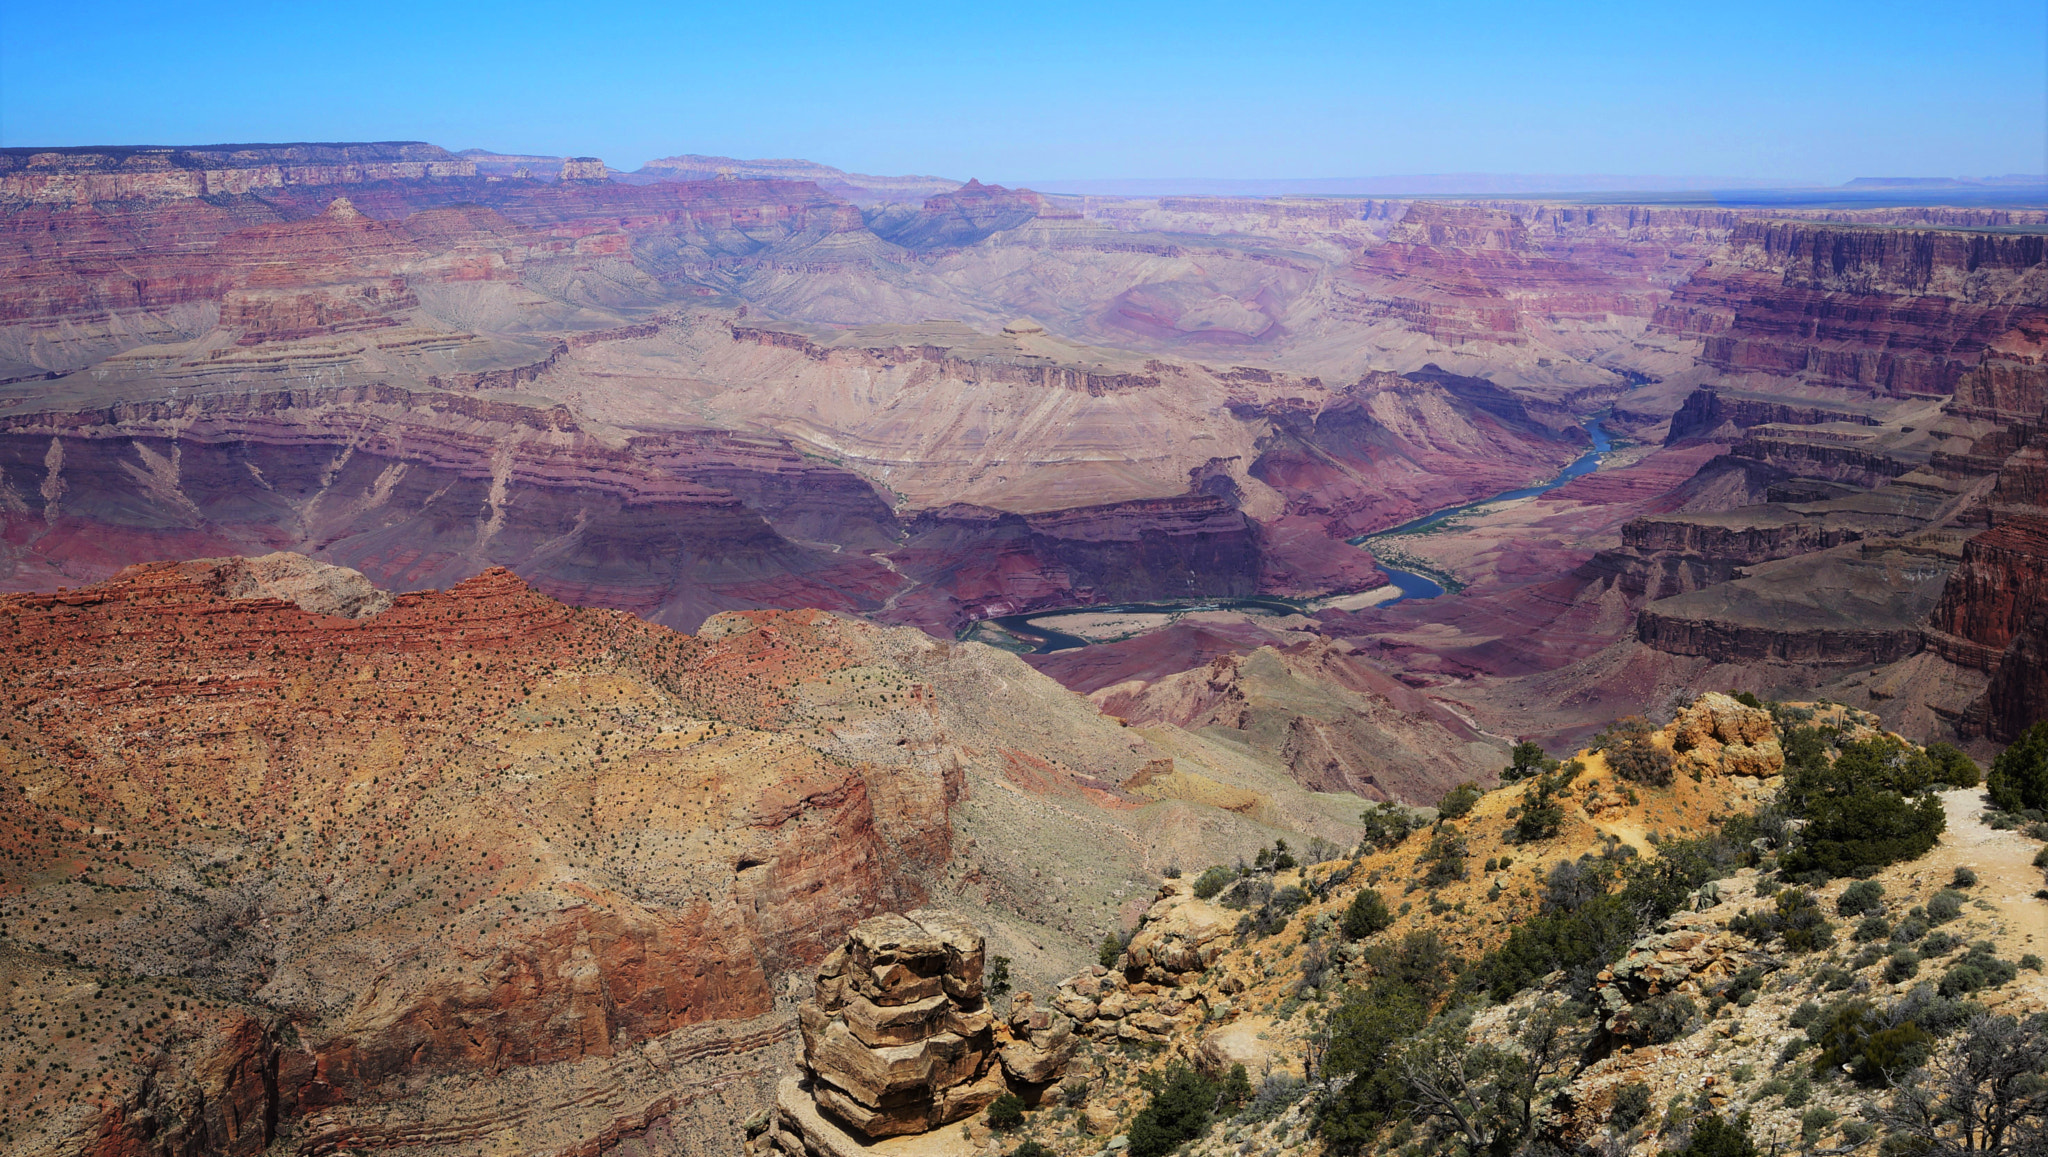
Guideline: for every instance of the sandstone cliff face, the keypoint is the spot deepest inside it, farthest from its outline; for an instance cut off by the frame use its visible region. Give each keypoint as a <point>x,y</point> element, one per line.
<point>1710,413</point>
<point>78,175</point>
<point>420,489</point>
<point>1859,308</point>
<point>1467,274</point>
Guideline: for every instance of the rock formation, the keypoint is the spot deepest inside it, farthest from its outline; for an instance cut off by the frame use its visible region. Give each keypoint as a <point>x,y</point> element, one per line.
<point>899,1039</point>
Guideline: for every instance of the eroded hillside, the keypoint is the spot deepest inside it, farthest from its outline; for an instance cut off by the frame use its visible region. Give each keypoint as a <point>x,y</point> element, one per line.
<point>1693,935</point>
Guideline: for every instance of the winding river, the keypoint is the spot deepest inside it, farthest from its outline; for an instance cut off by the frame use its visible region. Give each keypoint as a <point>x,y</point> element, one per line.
<point>1420,586</point>
<point>1032,631</point>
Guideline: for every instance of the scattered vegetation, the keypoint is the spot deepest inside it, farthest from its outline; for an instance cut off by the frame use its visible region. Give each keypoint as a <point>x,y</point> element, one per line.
<point>1182,1104</point>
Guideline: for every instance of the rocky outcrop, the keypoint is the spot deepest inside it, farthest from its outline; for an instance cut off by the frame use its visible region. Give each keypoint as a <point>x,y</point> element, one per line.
<point>1718,736</point>
<point>1155,990</point>
<point>1712,413</point>
<point>898,1038</point>
<point>312,586</point>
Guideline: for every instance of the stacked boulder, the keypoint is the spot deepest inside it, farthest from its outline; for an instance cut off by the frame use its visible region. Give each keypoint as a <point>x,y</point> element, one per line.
<point>898,1039</point>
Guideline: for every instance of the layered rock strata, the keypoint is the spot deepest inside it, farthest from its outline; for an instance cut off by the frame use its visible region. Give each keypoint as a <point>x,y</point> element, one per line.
<point>899,1039</point>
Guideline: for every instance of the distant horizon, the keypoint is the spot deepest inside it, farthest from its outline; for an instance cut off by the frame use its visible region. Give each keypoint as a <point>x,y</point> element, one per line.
<point>1472,183</point>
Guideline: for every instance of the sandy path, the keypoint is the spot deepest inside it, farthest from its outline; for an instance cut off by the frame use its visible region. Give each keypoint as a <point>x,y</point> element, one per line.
<point>2006,875</point>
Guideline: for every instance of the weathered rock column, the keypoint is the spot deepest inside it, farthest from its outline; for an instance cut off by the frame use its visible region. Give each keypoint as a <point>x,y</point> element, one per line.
<point>898,1038</point>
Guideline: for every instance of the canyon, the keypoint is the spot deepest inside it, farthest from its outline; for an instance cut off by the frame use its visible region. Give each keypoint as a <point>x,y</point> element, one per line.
<point>508,655</point>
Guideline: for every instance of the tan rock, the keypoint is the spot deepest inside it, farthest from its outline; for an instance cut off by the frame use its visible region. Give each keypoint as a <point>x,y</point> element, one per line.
<point>1183,938</point>
<point>897,1041</point>
<point>881,1025</point>
<point>1718,736</point>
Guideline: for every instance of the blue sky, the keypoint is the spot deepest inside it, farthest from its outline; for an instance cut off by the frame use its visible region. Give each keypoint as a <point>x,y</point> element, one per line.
<point>1786,90</point>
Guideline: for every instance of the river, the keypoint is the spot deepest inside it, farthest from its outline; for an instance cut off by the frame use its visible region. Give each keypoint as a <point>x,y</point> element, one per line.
<point>1421,586</point>
<point>1031,632</point>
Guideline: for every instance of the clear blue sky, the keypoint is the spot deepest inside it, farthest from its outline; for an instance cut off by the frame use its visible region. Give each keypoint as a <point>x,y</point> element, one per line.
<point>1007,91</point>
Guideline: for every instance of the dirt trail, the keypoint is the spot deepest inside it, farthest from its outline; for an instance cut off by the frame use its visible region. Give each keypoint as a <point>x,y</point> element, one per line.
<point>2004,862</point>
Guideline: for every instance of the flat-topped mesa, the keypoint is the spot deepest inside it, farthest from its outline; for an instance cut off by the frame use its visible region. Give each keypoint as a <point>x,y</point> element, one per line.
<point>92,174</point>
<point>898,1038</point>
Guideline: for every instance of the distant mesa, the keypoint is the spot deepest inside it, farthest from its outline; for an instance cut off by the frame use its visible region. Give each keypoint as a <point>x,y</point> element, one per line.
<point>1024,327</point>
<point>584,169</point>
<point>343,209</point>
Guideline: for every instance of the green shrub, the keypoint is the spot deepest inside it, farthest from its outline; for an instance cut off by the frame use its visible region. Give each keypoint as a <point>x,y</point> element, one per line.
<point>1978,969</point>
<point>1964,878</point>
<point>1858,816</point>
<point>1237,1086</point>
<point>1631,1105</point>
<point>1714,1137</point>
<point>1890,1052</point>
<point>1444,858</point>
<point>1861,897</point>
<point>1865,829</point>
<point>2019,776</point>
<point>1872,928</point>
<point>1386,826</point>
<point>1457,802</point>
<point>1112,946</point>
<point>1212,881</point>
<point>1952,767</point>
<point>1527,759</point>
<point>1540,815</point>
<point>1902,965</point>
<point>1945,906</point>
<point>1815,1122</point>
<point>2030,962</point>
<point>1367,915</point>
<point>1661,1019</point>
<point>1177,1113</point>
<point>1856,1034</point>
<point>1006,1112</point>
<point>1031,1149</point>
<point>1793,916</point>
<point>1632,754</point>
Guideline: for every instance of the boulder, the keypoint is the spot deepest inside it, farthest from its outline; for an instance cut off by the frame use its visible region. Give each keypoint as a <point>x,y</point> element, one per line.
<point>1042,1042</point>
<point>1719,736</point>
